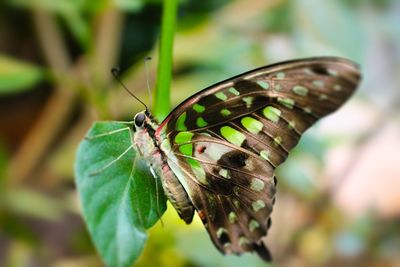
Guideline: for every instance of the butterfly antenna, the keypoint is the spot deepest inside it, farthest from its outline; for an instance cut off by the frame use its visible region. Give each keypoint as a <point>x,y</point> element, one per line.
<point>146,65</point>
<point>115,72</point>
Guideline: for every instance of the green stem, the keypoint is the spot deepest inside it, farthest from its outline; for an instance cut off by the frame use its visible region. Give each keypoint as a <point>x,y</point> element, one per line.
<point>162,93</point>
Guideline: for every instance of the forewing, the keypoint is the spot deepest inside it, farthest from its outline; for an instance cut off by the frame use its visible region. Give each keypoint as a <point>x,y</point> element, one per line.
<point>225,141</point>
<point>301,90</point>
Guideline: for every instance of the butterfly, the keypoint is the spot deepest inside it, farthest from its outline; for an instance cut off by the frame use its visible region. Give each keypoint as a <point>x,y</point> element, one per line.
<point>216,152</point>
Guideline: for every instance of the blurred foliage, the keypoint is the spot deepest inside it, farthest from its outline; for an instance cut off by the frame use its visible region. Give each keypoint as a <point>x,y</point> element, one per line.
<point>17,75</point>
<point>55,58</point>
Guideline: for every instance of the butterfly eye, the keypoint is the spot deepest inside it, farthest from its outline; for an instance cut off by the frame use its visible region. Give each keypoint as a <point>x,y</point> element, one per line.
<point>139,119</point>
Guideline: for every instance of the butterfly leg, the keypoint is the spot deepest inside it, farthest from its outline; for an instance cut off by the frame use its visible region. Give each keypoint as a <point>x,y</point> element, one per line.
<point>111,162</point>
<point>106,133</point>
<point>153,172</point>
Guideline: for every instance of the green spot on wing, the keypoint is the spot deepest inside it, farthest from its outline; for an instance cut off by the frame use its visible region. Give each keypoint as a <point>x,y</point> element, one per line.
<point>253,225</point>
<point>300,90</point>
<point>277,140</point>
<point>265,154</point>
<point>243,241</point>
<point>248,100</point>
<point>292,124</point>
<point>308,71</point>
<point>252,125</point>
<point>263,84</point>
<point>225,112</point>
<point>287,102</point>
<point>337,87</point>
<point>257,205</point>
<point>221,96</point>
<point>221,231</point>
<point>233,136</point>
<point>224,173</point>
<point>332,72</point>
<point>271,113</point>
<point>198,108</point>
<point>318,83</point>
<point>232,217</point>
<point>323,97</point>
<point>234,91</point>
<point>200,122</point>
<point>186,149</point>
<point>307,110</point>
<point>180,122</point>
<point>197,170</point>
<point>280,75</point>
<point>183,137</point>
<point>257,184</point>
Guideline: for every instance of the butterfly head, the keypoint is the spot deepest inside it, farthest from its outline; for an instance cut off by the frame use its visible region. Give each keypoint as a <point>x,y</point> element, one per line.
<point>140,119</point>
<point>144,127</point>
<point>143,121</point>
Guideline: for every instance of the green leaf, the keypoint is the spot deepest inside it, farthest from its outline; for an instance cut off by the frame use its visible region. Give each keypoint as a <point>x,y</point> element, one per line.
<point>17,76</point>
<point>119,202</point>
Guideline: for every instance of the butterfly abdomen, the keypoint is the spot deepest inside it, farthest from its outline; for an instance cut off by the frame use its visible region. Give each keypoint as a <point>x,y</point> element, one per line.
<point>177,195</point>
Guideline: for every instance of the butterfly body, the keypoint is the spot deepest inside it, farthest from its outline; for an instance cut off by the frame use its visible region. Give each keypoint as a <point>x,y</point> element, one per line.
<point>149,147</point>
<point>217,151</point>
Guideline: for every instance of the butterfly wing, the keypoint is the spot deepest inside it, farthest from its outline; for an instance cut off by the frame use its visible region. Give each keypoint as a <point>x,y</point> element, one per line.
<point>225,141</point>
<point>231,188</point>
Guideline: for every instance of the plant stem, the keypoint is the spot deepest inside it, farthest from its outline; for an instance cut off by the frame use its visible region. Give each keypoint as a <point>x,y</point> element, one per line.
<point>162,94</point>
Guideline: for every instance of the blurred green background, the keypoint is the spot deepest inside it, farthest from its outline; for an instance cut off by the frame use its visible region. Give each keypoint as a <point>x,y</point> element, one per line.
<point>338,198</point>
